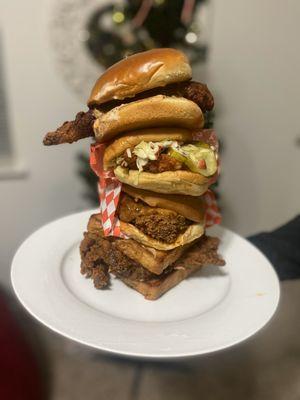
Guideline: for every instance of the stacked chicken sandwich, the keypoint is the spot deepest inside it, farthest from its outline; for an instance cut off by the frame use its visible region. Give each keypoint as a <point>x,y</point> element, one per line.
<point>155,164</point>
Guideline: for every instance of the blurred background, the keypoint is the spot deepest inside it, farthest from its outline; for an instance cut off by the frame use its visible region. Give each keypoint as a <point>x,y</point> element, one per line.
<point>51,52</point>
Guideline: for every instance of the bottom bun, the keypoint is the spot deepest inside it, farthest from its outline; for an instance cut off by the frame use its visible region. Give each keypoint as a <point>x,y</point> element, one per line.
<point>180,182</point>
<point>192,233</point>
<point>152,290</point>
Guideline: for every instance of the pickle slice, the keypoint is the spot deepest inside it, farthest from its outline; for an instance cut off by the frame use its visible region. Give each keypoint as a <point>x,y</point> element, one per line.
<point>202,144</point>
<point>199,158</point>
<point>176,154</point>
<point>195,158</point>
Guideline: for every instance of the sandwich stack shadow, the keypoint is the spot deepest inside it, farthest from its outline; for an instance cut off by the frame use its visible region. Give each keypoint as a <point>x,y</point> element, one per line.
<point>155,164</point>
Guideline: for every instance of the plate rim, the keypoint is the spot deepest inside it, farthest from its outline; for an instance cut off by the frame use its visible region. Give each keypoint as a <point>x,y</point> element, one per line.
<point>140,354</point>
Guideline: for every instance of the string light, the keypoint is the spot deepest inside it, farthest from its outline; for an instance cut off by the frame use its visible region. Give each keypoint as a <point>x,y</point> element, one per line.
<point>191,37</point>
<point>118,17</point>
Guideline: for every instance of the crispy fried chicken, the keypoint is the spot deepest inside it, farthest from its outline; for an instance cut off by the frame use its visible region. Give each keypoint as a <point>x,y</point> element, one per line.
<point>71,131</point>
<point>82,126</point>
<point>158,223</point>
<point>101,255</point>
<point>163,163</point>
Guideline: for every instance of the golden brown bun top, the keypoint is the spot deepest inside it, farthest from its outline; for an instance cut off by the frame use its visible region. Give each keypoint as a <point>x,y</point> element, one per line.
<point>116,148</point>
<point>190,207</point>
<point>140,72</point>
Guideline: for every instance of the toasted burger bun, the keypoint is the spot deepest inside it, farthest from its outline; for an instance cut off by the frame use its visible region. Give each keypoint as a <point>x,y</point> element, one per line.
<point>192,233</point>
<point>153,290</point>
<point>140,72</point>
<point>172,182</point>
<point>118,147</point>
<point>191,208</point>
<point>155,111</point>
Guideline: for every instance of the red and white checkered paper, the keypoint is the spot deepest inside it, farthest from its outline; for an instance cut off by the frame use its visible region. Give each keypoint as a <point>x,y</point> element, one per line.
<point>212,213</point>
<point>109,188</point>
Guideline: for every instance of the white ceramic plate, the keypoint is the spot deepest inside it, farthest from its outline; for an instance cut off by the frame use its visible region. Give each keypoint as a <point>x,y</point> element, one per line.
<point>212,310</point>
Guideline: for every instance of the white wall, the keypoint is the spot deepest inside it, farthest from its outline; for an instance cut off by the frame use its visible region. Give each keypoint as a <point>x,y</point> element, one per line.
<point>254,72</point>
<point>38,101</point>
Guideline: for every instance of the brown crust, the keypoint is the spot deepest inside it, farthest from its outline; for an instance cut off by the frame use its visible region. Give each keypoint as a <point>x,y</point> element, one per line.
<point>190,207</point>
<point>191,233</point>
<point>156,111</point>
<point>190,262</point>
<point>184,261</point>
<point>154,260</point>
<point>153,291</point>
<point>140,72</point>
<point>71,131</point>
<point>118,146</point>
<point>196,91</point>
